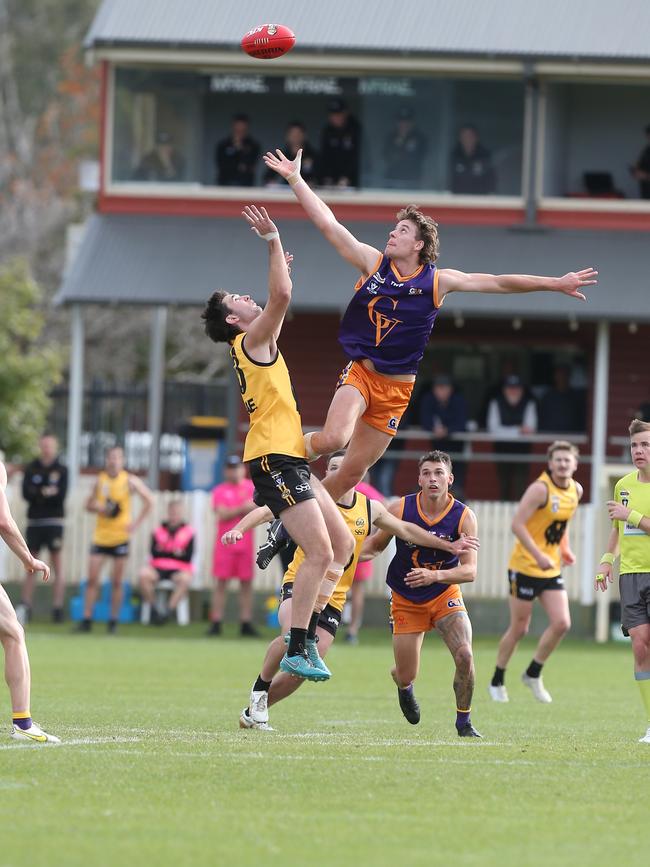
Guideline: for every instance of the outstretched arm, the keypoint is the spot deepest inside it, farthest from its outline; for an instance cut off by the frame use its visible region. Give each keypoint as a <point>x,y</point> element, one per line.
<point>361,256</point>
<point>264,330</point>
<point>464,573</point>
<point>253,519</point>
<point>507,284</point>
<point>382,518</point>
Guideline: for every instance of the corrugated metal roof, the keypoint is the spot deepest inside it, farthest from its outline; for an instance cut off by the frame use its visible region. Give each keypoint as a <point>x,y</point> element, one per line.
<point>180,260</point>
<point>595,29</point>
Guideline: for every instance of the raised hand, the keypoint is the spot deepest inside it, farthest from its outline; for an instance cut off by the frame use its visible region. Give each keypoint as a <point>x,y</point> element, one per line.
<point>260,222</point>
<point>572,283</point>
<point>288,258</point>
<point>283,166</point>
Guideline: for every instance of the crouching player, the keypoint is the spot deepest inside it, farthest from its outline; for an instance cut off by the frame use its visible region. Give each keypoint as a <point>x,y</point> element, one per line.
<point>361,515</point>
<point>424,587</point>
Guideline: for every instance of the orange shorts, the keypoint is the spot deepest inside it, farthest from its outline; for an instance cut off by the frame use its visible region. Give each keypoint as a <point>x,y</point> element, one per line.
<point>386,399</point>
<point>408,617</point>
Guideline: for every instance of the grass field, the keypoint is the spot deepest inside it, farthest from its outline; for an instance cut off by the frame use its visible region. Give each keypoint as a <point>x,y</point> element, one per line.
<point>154,770</point>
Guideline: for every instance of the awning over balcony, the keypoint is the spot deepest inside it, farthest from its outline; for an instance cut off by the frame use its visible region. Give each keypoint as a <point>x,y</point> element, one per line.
<point>155,260</point>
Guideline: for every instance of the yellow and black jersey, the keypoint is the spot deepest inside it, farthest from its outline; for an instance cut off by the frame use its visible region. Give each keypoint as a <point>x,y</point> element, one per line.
<point>547,527</point>
<point>112,527</point>
<point>267,392</point>
<point>359,521</point>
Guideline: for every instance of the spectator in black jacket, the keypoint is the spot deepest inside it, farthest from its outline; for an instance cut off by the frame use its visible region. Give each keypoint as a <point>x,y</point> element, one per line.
<point>237,155</point>
<point>295,139</point>
<point>443,412</point>
<point>470,165</point>
<point>340,147</point>
<point>45,485</point>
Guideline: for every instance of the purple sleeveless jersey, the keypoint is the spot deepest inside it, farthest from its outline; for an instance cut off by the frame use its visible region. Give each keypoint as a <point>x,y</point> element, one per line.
<point>389,319</point>
<point>409,556</point>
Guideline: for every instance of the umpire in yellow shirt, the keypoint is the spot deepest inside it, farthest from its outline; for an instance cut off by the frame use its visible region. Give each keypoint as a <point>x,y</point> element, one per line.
<point>630,536</point>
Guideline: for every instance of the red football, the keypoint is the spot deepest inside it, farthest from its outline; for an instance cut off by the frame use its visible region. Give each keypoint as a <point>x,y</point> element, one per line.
<point>268,41</point>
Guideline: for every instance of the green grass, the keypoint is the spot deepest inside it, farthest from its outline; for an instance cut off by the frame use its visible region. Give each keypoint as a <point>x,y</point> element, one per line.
<point>154,770</point>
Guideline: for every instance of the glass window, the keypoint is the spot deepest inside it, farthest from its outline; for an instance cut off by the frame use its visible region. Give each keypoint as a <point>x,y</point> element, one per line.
<point>454,135</point>
<point>595,140</point>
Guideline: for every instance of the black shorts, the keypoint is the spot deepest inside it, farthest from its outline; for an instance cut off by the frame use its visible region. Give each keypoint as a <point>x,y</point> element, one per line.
<point>111,550</point>
<point>634,588</point>
<point>528,588</point>
<point>165,574</point>
<point>330,617</point>
<point>48,536</point>
<point>280,481</point>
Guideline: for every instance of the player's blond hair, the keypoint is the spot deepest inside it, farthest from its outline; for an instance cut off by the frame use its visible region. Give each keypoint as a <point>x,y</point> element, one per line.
<point>562,446</point>
<point>638,426</point>
<point>426,230</point>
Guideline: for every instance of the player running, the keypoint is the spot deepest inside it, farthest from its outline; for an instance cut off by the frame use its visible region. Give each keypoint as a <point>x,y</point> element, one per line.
<point>630,536</point>
<point>388,323</point>
<point>361,515</point>
<point>274,448</point>
<point>534,571</point>
<point>424,587</point>
<point>12,634</point>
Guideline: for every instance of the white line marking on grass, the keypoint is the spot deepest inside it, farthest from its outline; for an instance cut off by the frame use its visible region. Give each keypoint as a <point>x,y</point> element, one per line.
<point>74,742</point>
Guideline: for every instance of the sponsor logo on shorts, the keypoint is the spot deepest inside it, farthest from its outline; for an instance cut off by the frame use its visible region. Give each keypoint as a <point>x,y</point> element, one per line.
<point>333,621</point>
<point>525,591</point>
<point>393,423</point>
<point>455,603</point>
<point>300,489</point>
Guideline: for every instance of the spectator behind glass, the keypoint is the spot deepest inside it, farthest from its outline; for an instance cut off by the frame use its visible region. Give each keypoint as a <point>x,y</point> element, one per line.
<point>340,147</point>
<point>404,151</point>
<point>163,163</point>
<point>510,415</point>
<point>562,408</point>
<point>641,169</point>
<point>470,165</point>
<point>443,412</point>
<point>237,155</point>
<point>296,138</point>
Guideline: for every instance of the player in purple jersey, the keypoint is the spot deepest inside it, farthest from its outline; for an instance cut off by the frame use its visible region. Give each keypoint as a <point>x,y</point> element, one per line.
<point>424,587</point>
<point>388,322</point>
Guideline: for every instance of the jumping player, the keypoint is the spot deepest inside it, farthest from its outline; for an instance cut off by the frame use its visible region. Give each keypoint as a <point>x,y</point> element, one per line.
<point>424,587</point>
<point>12,634</point>
<point>388,322</point>
<point>361,515</point>
<point>630,536</point>
<point>542,548</point>
<point>274,449</point>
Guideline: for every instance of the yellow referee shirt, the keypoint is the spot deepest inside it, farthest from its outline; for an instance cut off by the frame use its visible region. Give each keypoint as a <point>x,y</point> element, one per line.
<point>633,542</point>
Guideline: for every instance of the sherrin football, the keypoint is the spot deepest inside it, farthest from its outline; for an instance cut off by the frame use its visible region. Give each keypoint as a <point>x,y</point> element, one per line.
<point>268,41</point>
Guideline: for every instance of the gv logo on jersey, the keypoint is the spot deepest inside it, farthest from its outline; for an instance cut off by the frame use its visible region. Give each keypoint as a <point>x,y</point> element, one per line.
<point>383,324</point>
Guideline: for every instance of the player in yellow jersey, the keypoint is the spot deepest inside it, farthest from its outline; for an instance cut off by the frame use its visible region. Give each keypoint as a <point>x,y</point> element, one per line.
<point>534,571</point>
<point>361,516</point>
<point>12,634</point>
<point>274,448</point>
<point>110,500</point>
<point>630,536</point>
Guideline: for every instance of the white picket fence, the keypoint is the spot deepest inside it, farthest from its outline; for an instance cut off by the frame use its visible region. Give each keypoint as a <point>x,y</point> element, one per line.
<point>494,519</point>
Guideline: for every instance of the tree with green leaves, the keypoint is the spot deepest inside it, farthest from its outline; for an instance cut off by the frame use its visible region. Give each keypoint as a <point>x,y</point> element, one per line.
<point>28,368</point>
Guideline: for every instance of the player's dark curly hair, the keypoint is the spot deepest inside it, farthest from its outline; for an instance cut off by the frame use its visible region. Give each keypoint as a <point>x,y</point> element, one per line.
<point>214,316</point>
<point>436,457</point>
<point>427,231</point>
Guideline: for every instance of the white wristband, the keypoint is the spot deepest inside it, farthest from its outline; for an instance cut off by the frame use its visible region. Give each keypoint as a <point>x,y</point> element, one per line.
<point>270,236</point>
<point>293,178</point>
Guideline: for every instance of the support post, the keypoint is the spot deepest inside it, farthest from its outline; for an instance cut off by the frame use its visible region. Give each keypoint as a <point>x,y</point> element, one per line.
<point>75,395</point>
<point>598,458</point>
<point>532,156</point>
<point>156,391</point>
